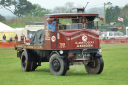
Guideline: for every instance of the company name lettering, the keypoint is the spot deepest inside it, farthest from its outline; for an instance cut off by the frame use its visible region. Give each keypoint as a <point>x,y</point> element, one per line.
<point>88,35</point>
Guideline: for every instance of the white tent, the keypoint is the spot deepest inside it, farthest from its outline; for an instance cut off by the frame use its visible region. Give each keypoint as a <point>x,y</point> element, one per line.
<point>6,28</point>
<point>8,31</point>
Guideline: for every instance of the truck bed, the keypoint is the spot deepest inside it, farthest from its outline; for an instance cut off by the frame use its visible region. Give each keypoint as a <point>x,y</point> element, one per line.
<point>22,45</point>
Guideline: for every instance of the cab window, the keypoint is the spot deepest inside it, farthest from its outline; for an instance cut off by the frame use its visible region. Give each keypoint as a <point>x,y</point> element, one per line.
<point>70,23</point>
<point>76,23</point>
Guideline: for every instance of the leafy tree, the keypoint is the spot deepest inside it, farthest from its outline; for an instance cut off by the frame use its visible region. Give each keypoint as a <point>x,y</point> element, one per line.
<point>112,14</point>
<point>124,14</point>
<point>108,15</point>
<point>2,18</point>
<point>64,9</point>
<point>20,7</point>
<point>69,6</point>
<point>59,9</point>
<point>125,20</point>
<point>39,11</point>
<point>124,11</point>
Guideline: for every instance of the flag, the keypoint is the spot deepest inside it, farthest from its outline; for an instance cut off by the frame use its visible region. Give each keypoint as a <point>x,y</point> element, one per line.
<point>101,18</point>
<point>114,22</point>
<point>120,19</point>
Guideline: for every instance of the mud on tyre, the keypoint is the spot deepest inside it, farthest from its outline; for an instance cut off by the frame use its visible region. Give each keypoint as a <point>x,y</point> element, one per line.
<point>95,67</point>
<point>57,66</point>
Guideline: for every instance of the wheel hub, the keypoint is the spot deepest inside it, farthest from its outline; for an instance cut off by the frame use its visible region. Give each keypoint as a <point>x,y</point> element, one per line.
<point>94,63</point>
<point>56,65</point>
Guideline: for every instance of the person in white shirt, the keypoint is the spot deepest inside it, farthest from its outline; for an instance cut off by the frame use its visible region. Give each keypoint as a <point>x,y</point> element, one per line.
<point>30,36</point>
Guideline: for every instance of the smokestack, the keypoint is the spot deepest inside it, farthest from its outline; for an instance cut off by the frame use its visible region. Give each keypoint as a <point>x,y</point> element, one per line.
<point>81,10</point>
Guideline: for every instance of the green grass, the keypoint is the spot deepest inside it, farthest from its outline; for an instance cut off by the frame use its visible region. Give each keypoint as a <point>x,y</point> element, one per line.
<point>115,71</point>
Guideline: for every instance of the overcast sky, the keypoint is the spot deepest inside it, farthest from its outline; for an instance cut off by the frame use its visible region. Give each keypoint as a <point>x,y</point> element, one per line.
<point>50,4</point>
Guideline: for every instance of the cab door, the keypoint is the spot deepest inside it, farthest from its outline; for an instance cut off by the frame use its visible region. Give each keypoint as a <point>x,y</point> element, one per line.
<point>53,40</point>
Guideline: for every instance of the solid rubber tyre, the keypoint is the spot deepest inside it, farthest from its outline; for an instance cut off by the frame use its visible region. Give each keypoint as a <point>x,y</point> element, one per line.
<point>25,64</point>
<point>33,65</point>
<point>57,65</point>
<point>95,67</point>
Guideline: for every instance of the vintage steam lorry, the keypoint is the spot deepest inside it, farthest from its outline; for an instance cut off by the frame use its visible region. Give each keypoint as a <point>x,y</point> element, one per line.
<point>76,40</point>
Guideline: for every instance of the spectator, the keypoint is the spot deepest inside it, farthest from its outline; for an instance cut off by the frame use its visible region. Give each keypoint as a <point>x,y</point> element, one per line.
<point>22,37</point>
<point>30,36</point>
<point>16,38</point>
<point>4,38</point>
<point>11,39</point>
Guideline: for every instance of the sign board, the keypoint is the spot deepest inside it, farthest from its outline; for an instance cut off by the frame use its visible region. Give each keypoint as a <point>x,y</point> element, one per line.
<point>112,23</point>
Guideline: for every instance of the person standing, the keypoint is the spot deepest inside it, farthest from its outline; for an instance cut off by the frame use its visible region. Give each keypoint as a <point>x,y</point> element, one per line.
<point>16,38</point>
<point>21,38</point>
<point>30,36</point>
<point>24,38</point>
<point>4,38</point>
<point>11,39</point>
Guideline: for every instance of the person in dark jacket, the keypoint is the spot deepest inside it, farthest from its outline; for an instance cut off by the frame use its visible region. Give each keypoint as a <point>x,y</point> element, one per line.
<point>21,38</point>
<point>11,39</point>
<point>4,38</point>
<point>16,38</point>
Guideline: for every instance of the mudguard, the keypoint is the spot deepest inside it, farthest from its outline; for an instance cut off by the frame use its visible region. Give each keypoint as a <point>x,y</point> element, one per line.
<point>98,54</point>
<point>61,56</point>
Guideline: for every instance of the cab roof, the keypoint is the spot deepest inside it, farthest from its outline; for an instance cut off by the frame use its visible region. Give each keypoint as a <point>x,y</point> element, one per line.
<point>59,15</point>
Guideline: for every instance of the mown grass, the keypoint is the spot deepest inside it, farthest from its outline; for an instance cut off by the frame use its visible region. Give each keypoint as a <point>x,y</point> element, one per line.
<point>115,71</point>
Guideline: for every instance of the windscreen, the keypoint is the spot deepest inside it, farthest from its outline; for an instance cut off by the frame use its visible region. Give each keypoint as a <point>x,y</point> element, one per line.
<point>70,23</point>
<point>75,23</point>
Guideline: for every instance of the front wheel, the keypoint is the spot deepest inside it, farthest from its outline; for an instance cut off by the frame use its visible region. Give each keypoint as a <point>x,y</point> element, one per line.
<point>58,66</point>
<point>95,67</point>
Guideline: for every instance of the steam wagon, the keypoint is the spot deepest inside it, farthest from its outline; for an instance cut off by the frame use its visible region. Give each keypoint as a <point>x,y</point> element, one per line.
<point>76,39</point>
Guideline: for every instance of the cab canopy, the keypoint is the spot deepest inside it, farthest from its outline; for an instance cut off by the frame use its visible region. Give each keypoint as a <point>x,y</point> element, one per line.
<point>71,21</point>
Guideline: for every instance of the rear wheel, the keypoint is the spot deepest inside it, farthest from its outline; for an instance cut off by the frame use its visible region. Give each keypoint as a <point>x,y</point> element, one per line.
<point>58,66</point>
<point>95,67</point>
<point>25,64</point>
<point>33,65</point>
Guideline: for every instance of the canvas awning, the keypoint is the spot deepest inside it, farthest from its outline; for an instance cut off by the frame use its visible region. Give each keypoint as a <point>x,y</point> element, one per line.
<point>6,28</point>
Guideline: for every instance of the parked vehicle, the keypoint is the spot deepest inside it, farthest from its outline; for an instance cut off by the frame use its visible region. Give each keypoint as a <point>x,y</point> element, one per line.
<point>74,41</point>
<point>111,35</point>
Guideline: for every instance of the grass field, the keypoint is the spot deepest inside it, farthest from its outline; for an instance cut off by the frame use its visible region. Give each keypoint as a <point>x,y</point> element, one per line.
<point>115,70</point>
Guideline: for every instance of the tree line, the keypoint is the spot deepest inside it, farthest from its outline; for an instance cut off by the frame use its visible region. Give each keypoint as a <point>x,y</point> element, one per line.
<point>113,12</point>
<point>24,11</point>
<point>28,12</point>
<point>23,8</point>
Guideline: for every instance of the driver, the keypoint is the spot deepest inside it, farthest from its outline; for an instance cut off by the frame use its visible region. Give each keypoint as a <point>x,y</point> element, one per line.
<point>51,25</point>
